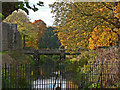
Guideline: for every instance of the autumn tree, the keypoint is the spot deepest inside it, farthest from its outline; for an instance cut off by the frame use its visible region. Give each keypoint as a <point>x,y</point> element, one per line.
<point>25,27</point>
<point>49,40</point>
<point>87,24</point>
<point>40,27</point>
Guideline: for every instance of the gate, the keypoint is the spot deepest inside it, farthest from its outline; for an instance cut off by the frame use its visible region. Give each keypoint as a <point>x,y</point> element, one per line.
<point>50,76</point>
<point>54,75</point>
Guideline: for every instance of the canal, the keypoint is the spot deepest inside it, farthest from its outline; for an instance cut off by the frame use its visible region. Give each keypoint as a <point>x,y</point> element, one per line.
<point>50,75</point>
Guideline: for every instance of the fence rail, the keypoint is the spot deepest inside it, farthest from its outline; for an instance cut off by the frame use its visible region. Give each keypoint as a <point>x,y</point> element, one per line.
<point>52,76</point>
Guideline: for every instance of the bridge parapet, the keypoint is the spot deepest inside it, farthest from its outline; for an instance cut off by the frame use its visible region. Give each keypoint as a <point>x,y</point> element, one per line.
<point>10,38</point>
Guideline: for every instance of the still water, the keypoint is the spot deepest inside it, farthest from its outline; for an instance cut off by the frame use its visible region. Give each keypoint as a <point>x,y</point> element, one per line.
<point>47,80</point>
<point>49,83</point>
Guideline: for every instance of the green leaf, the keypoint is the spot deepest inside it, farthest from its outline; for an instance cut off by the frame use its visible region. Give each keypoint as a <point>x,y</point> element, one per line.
<point>34,9</point>
<point>27,5</point>
<point>40,3</point>
<point>16,6</point>
<point>2,16</point>
<point>25,10</point>
<point>21,4</point>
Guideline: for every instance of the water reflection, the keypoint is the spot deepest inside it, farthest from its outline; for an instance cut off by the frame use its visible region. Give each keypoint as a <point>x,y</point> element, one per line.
<point>48,72</point>
<point>49,83</point>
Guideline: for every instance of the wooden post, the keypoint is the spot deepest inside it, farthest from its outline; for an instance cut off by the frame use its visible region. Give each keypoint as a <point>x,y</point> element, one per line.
<point>62,58</point>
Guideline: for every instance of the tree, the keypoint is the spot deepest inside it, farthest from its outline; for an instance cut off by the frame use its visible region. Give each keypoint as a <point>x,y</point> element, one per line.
<point>40,27</point>
<point>78,22</point>
<point>49,40</point>
<point>25,27</point>
<point>9,7</point>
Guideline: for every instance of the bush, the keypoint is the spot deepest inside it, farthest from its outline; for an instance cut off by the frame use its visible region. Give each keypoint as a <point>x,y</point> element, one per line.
<point>110,68</point>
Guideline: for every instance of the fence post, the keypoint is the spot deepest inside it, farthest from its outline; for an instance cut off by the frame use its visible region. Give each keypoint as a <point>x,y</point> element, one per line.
<point>36,55</point>
<point>5,74</point>
<point>101,73</point>
<point>36,58</point>
<point>5,70</point>
<point>62,58</point>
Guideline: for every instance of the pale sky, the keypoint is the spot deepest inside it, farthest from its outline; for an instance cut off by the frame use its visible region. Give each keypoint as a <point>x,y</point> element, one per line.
<point>44,12</point>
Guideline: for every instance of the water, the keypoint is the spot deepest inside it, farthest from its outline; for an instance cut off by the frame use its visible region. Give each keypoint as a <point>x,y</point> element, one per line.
<point>49,83</point>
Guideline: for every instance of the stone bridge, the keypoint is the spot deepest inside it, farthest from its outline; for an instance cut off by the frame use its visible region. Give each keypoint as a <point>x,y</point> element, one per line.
<point>10,38</point>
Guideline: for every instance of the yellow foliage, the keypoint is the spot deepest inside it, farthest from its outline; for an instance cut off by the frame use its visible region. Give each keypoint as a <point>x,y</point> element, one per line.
<point>103,36</point>
<point>117,11</point>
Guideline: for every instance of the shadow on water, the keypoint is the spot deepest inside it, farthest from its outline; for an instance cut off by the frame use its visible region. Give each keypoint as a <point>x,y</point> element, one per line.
<point>47,75</point>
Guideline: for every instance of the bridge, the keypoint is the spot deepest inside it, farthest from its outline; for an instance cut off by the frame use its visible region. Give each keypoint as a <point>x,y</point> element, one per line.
<point>37,53</point>
<point>49,52</point>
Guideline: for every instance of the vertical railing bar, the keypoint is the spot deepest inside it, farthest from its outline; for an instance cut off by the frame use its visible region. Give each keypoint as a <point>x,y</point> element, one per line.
<point>48,78</point>
<point>42,76</point>
<point>18,80</point>
<point>44,79</point>
<point>8,77</point>
<point>21,75</point>
<point>89,75</point>
<point>51,74</point>
<point>33,78</point>
<point>24,73</point>
<point>101,73</point>
<point>13,76</point>
<point>16,86</point>
<point>30,76</point>
<point>26,67</point>
<point>44,82</point>
<point>5,74</point>
<point>65,83</point>
<point>2,75</point>
<point>92,69</point>
<point>37,73</point>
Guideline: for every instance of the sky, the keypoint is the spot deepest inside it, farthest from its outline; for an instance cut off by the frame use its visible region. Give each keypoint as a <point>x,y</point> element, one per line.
<point>44,12</point>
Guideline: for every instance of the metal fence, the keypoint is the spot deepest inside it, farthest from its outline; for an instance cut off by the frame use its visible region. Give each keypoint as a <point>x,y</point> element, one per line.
<point>52,76</point>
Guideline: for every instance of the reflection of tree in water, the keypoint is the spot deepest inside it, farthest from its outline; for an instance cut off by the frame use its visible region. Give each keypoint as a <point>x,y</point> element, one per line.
<point>54,70</point>
<point>45,67</point>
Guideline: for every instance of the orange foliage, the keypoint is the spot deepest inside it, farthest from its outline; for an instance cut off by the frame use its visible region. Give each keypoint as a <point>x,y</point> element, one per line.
<point>38,21</point>
<point>117,10</point>
<point>40,26</point>
<point>102,36</point>
<point>70,84</point>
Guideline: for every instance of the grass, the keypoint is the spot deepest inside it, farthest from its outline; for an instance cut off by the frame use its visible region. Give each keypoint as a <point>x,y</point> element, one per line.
<point>3,52</point>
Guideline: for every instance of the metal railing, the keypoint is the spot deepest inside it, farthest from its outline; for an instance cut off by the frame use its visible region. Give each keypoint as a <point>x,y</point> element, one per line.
<point>93,75</point>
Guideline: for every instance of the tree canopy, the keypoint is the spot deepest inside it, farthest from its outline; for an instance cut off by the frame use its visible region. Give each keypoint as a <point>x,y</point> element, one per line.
<point>40,27</point>
<point>49,40</point>
<point>25,27</point>
<point>9,7</point>
<point>87,24</point>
